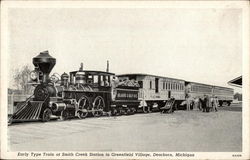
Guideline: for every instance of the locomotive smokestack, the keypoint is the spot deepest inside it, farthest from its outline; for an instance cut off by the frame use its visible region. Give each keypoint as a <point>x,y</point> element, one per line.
<point>107,70</point>
<point>45,63</point>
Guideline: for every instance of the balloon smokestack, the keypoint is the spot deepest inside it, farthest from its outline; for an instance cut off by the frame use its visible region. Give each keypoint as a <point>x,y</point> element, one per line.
<point>45,63</point>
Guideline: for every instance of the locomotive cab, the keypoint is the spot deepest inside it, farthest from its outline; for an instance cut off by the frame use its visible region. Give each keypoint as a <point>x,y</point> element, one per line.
<point>90,90</point>
<point>95,79</point>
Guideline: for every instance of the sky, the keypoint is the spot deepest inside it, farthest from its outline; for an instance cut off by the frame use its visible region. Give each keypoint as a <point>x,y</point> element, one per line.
<point>200,45</point>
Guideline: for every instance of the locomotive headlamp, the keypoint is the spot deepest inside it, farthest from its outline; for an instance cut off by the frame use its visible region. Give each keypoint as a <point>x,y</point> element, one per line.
<point>33,75</point>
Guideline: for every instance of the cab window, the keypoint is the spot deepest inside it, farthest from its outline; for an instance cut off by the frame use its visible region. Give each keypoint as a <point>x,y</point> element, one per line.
<point>95,79</point>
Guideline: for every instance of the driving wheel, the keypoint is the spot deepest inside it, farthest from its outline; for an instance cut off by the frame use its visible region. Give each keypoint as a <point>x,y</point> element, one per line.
<point>98,106</point>
<point>133,110</point>
<point>84,107</point>
<point>114,111</point>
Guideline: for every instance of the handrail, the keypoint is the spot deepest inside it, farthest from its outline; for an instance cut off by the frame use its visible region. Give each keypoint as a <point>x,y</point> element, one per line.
<point>46,98</point>
<point>30,97</point>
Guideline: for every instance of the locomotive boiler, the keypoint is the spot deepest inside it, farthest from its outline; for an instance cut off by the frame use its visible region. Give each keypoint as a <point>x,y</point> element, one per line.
<point>79,94</point>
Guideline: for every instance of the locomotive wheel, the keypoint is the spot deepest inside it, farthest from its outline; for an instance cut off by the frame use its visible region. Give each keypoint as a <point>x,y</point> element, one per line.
<point>145,109</point>
<point>46,115</point>
<point>124,111</point>
<point>97,113</point>
<point>128,111</point>
<point>114,112</point>
<point>120,111</point>
<point>64,115</point>
<point>133,110</point>
<point>82,115</point>
<point>84,106</point>
<point>98,106</point>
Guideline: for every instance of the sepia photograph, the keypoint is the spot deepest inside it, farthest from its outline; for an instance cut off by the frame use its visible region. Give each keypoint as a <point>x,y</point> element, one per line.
<point>125,80</point>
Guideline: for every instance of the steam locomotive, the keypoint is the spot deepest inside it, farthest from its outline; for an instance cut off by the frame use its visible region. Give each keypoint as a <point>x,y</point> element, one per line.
<point>80,94</point>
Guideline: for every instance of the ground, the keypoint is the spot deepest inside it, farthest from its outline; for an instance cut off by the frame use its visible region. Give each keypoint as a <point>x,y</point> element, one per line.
<point>181,131</point>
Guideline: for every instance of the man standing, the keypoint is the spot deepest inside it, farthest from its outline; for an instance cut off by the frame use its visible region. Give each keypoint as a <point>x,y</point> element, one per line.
<point>200,103</point>
<point>196,103</point>
<point>212,102</point>
<point>204,103</point>
<point>188,103</point>
<point>207,103</point>
<point>172,99</point>
<point>216,103</point>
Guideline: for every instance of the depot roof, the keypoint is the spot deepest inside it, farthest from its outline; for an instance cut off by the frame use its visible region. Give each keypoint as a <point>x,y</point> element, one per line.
<point>143,74</point>
<point>236,82</point>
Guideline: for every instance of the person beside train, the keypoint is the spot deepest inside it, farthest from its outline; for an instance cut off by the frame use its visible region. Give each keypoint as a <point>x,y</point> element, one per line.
<point>191,103</point>
<point>200,103</point>
<point>208,103</point>
<point>204,103</point>
<point>212,102</point>
<point>188,101</point>
<point>215,104</point>
<point>174,107</point>
<point>196,103</point>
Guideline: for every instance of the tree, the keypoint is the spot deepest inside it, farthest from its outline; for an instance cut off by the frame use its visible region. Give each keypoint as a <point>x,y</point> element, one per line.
<point>21,78</point>
<point>238,96</point>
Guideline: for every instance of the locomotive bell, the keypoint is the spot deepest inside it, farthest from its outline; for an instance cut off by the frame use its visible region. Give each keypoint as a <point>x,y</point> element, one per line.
<point>45,63</point>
